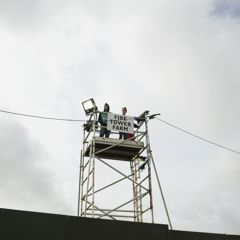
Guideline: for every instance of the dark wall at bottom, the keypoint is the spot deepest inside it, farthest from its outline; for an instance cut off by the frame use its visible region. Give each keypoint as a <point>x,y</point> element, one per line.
<point>182,235</point>
<point>16,225</point>
<point>40,226</point>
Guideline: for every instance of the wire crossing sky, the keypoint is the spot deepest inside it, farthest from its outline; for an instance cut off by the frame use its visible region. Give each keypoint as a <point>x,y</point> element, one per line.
<point>196,136</point>
<point>42,117</point>
<point>81,120</point>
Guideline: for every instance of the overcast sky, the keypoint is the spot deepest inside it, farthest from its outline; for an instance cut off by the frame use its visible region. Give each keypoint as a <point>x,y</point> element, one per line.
<point>177,58</point>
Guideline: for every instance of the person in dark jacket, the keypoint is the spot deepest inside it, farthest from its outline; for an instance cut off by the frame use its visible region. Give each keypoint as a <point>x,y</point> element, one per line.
<point>102,119</point>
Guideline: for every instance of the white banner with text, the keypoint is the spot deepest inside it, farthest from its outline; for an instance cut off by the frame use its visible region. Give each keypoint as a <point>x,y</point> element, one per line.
<point>120,123</point>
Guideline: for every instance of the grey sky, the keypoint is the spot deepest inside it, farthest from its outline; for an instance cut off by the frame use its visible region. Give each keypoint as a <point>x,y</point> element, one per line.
<point>180,58</point>
<point>27,177</point>
<point>225,8</point>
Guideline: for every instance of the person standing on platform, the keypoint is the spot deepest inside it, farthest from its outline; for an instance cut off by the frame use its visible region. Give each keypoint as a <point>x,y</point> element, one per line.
<point>102,119</point>
<point>123,135</point>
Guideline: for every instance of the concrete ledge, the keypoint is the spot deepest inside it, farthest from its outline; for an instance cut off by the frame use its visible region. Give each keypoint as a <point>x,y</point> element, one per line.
<point>25,225</point>
<point>16,225</point>
<point>184,235</point>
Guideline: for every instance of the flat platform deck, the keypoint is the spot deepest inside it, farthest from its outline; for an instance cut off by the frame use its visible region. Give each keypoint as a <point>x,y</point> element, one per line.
<point>120,150</point>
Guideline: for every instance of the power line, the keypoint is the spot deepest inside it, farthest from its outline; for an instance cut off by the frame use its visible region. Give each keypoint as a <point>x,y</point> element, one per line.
<point>43,117</point>
<point>201,138</point>
<point>81,120</point>
<point>48,118</point>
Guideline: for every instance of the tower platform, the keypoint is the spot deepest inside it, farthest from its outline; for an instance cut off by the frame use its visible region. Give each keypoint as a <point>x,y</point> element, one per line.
<point>110,148</point>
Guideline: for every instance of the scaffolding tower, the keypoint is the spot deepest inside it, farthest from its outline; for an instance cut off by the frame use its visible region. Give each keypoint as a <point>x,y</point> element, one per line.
<point>135,154</point>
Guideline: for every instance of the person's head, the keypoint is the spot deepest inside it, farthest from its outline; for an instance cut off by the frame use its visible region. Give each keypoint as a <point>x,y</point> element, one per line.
<point>106,107</point>
<point>124,110</point>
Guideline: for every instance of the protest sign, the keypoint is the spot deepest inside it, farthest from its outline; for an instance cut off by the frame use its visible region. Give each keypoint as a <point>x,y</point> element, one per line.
<point>120,123</point>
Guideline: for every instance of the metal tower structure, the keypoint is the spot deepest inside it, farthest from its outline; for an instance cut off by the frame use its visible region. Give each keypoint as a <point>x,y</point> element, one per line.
<point>130,159</point>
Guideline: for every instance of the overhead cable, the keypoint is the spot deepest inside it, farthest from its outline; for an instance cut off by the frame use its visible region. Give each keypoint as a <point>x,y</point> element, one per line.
<point>201,138</point>
<point>82,120</point>
<point>42,117</point>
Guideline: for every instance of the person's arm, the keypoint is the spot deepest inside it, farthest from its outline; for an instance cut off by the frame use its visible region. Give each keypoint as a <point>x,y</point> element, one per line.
<point>100,119</point>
